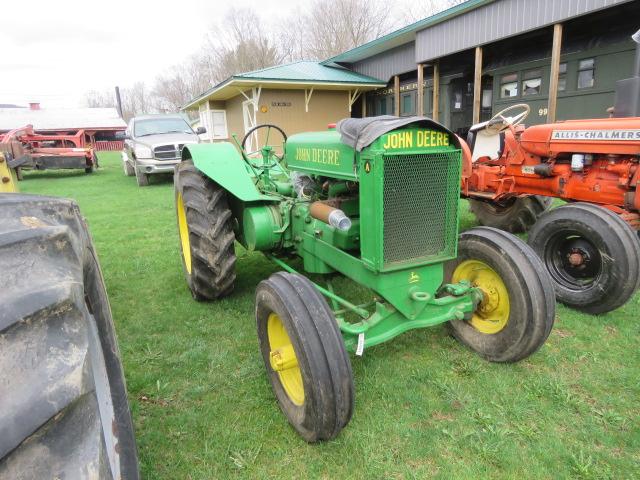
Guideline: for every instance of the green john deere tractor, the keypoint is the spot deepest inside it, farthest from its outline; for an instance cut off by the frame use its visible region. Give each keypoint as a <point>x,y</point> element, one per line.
<point>376,202</point>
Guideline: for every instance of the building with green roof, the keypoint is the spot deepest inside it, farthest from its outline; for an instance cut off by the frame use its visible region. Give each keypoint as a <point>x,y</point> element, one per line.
<point>297,97</point>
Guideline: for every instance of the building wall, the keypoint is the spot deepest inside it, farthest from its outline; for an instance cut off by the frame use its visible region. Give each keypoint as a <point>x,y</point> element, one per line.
<point>498,20</point>
<point>325,106</point>
<point>286,109</point>
<point>610,64</point>
<point>392,62</point>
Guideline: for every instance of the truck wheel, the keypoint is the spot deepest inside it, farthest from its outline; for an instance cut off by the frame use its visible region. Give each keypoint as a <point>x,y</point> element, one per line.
<point>591,254</point>
<point>128,169</point>
<point>64,401</point>
<point>517,311</point>
<point>206,233</point>
<point>516,215</point>
<point>305,357</point>
<point>141,178</point>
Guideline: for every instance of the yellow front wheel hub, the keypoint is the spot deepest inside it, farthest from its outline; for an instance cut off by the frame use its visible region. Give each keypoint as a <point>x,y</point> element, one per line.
<point>492,315</point>
<point>183,231</point>
<point>283,359</point>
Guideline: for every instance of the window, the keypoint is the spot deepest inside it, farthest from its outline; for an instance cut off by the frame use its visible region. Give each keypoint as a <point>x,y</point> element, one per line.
<point>562,77</point>
<point>586,73</point>
<point>215,121</point>
<point>218,124</point>
<point>457,100</point>
<point>509,85</point>
<point>407,104</point>
<point>487,98</point>
<point>159,125</point>
<point>382,106</point>
<point>532,82</point>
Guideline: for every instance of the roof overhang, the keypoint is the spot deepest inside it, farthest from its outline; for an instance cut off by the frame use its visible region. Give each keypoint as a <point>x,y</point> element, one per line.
<point>233,86</point>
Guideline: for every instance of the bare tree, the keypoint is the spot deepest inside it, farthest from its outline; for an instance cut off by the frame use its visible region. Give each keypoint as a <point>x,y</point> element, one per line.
<point>334,26</point>
<point>95,99</point>
<point>239,45</point>
<point>413,11</point>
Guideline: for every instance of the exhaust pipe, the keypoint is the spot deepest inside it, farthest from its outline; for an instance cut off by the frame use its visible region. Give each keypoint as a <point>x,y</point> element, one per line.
<point>628,90</point>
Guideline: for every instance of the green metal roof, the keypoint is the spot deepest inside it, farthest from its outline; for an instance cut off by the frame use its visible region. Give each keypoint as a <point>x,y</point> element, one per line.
<point>303,74</point>
<point>403,35</point>
<point>309,71</point>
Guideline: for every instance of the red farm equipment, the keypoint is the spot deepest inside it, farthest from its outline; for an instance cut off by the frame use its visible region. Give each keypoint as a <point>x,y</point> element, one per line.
<point>590,246</point>
<point>49,151</point>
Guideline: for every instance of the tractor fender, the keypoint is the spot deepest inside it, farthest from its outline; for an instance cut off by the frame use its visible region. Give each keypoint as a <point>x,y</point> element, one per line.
<point>223,164</point>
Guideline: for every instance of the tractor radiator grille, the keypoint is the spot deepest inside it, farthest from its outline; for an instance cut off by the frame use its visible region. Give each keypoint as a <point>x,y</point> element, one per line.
<point>420,207</point>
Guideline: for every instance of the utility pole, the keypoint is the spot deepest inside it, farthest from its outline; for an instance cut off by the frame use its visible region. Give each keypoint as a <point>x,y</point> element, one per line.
<point>118,101</point>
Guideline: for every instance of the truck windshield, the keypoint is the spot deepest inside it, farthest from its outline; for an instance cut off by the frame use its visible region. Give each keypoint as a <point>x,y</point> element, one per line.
<point>154,126</point>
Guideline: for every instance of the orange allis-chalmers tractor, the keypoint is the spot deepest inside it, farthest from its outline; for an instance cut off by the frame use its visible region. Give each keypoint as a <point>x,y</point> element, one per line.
<point>590,246</point>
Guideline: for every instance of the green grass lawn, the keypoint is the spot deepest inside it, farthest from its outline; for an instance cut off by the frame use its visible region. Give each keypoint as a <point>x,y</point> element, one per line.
<point>425,405</point>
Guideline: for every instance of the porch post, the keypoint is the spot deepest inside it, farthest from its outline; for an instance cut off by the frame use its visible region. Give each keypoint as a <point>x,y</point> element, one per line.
<point>477,86</point>
<point>436,89</point>
<point>555,70</point>
<point>420,106</point>
<point>396,95</point>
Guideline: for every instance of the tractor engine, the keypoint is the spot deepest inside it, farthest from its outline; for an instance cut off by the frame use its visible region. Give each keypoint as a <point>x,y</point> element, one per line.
<point>601,156</point>
<point>394,203</point>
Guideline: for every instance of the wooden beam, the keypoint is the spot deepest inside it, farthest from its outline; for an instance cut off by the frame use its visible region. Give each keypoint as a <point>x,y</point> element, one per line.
<point>420,106</point>
<point>364,104</point>
<point>396,95</point>
<point>477,86</point>
<point>436,90</point>
<point>555,70</point>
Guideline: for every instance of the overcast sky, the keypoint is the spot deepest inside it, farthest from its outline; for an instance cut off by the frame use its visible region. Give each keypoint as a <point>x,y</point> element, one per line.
<point>54,52</point>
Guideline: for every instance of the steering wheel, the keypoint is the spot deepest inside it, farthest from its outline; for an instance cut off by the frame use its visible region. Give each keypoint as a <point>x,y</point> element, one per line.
<point>268,126</point>
<point>499,122</point>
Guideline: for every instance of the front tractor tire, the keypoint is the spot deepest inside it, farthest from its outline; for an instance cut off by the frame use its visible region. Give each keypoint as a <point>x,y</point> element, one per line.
<point>64,410</point>
<point>515,215</point>
<point>591,254</point>
<point>517,311</point>
<point>206,233</point>
<point>305,356</point>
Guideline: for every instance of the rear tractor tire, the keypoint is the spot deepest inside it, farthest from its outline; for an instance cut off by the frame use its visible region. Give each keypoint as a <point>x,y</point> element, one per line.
<point>517,311</point>
<point>592,255</point>
<point>64,401</point>
<point>206,233</point>
<point>305,356</point>
<point>516,215</point>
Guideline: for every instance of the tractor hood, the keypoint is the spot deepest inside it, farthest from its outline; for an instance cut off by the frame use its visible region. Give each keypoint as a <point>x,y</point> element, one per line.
<point>603,135</point>
<point>359,133</point>
<point>336,154</point>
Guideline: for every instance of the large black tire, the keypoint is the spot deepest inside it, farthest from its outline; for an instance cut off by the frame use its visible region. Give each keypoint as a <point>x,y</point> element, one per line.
<point>206,233</point>
<point>290,303</point>
<point>510,274</point>
<point>605,250</point>
<point>516,215</point>
<point>64,401</point>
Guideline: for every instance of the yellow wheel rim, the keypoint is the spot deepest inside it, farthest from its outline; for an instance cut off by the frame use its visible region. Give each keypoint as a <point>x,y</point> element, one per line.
<point>183,230</point>
<point>283,360</point>
<point>492,315</point>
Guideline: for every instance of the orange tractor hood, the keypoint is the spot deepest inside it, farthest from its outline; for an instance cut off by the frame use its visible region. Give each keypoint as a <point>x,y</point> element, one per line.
<point>603,135</point>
